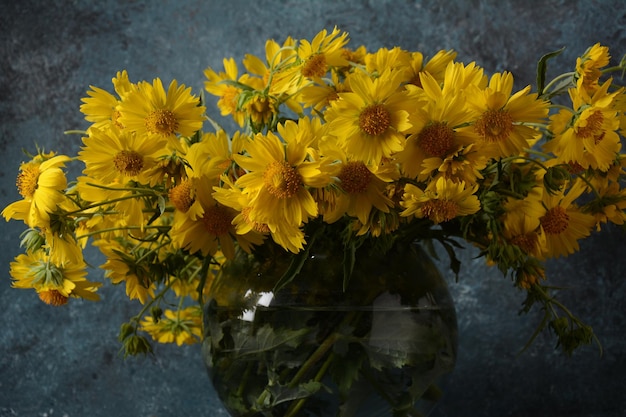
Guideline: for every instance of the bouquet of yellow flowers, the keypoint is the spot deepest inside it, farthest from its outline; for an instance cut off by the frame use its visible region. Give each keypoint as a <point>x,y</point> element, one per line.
<point>371,147</point>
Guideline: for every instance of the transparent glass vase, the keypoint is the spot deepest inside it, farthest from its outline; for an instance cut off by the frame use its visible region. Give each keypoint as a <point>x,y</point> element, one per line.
<point>314,348</point>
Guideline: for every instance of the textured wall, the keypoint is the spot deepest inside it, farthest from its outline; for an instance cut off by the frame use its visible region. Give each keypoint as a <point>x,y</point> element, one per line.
<point>64,361</point>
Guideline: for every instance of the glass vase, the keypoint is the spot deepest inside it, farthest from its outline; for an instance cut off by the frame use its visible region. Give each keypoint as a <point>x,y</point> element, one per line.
<point>322,344</point>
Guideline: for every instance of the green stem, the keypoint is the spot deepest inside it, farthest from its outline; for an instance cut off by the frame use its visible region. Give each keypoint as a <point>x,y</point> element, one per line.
<point>296,406</point>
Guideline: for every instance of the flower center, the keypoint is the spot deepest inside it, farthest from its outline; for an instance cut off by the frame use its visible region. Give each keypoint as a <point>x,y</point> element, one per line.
<point>128,163</point>
<point>374,120</point>
<point>527,242</point>
<point>229,99</point>
<point>439,210</point>
<point>181,196</point>
<point>53,297</point>
<point>315,66</point>
<point>27,180</point>
<point>555,221</point>
<point>354,177</point>
<point>436,139</point>
<point>115,118</point>
<point>259,227</point>
<point>217,220</point>
<point>494,125</point>
<point>282,180</point>
<point>593,123</point>
<point>161,122</point>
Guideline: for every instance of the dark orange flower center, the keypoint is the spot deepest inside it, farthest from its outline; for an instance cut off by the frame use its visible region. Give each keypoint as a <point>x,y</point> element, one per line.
<point>593,127</point>
<point>436,139</point>
<point>27,180</point>
<point>161,122</point>
<point>439,210</point>
<point>494,125</point>
<point>374,120</point>
<point>53,297</point>
<point>355,177</point>
<point>282,180</point>
<point>128,162</point>
<point>217,220</point>
<point>526,242</point>
<point>315,66</point>
<point>555,221</point>
<point>181,196</point>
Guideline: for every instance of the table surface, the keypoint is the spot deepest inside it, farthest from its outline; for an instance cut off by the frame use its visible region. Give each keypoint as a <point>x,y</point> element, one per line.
<point>65,362</point>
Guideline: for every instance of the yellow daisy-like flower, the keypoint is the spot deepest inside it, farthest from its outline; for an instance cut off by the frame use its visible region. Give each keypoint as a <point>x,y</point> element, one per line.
<point>120,156</point>
<point>589,135</point>
<point>323,52</point>
<point>41,183</point>
<point>54,283</point>
<point>563,224</point>
<point>521,223</point>
<point>502,116</point>
<point>149,110</point>
<point>279,176</point>
<point>436,137</point>
<point>100,107</point>
<point>183,326</point>
<point>361,190</point>
<point>228,94</point>
<point>589,65</point>
<point>121,268</point>
<point>370,122</point>
<point>440,202</point>
<point>213,231</point>
<point>395,59</point>
<point>435,66</point>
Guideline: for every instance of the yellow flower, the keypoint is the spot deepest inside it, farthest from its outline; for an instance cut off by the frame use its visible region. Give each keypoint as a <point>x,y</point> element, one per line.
<point>40,182</point>
<point>395,59</point>
<point>279,175</point>
<point>502,116</point>
<point>369,122</point>
<point>563,224</point>
<point>120,156</point>
<point>100,107</point>
<point>54,283</point>
<point>587,136</point>
<point>435,66</point>
<point>183,326</point>
<point>213,231</point>
<point>436,137</point>
<point>150,110</point>
<point>589,65</point>
<point>217,84</point>
<point>440,202</point>
<point>323,52</point>
<point>521,223</point>
<point>121,268</point>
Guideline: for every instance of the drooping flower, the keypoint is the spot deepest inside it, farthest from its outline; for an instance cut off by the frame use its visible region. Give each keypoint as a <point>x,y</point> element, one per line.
<point>100,107</point>
<point>122,268</point>
<point>183,326</point>
<point>54,283</point>
<point>589,65</point>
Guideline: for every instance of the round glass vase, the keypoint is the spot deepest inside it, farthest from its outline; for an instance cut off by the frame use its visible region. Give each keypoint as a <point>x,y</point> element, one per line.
<point>310,347</point>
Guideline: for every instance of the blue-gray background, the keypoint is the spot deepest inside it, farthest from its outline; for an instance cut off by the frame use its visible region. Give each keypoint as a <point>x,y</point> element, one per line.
<point>64,361</point>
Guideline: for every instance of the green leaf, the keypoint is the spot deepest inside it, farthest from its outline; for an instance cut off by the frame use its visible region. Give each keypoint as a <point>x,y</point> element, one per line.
<point>542,68</point>
<point>266,339</point>
<point>283,393</point>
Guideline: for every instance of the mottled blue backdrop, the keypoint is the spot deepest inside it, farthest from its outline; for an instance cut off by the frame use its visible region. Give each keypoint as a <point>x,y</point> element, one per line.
<point>64,361</point>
